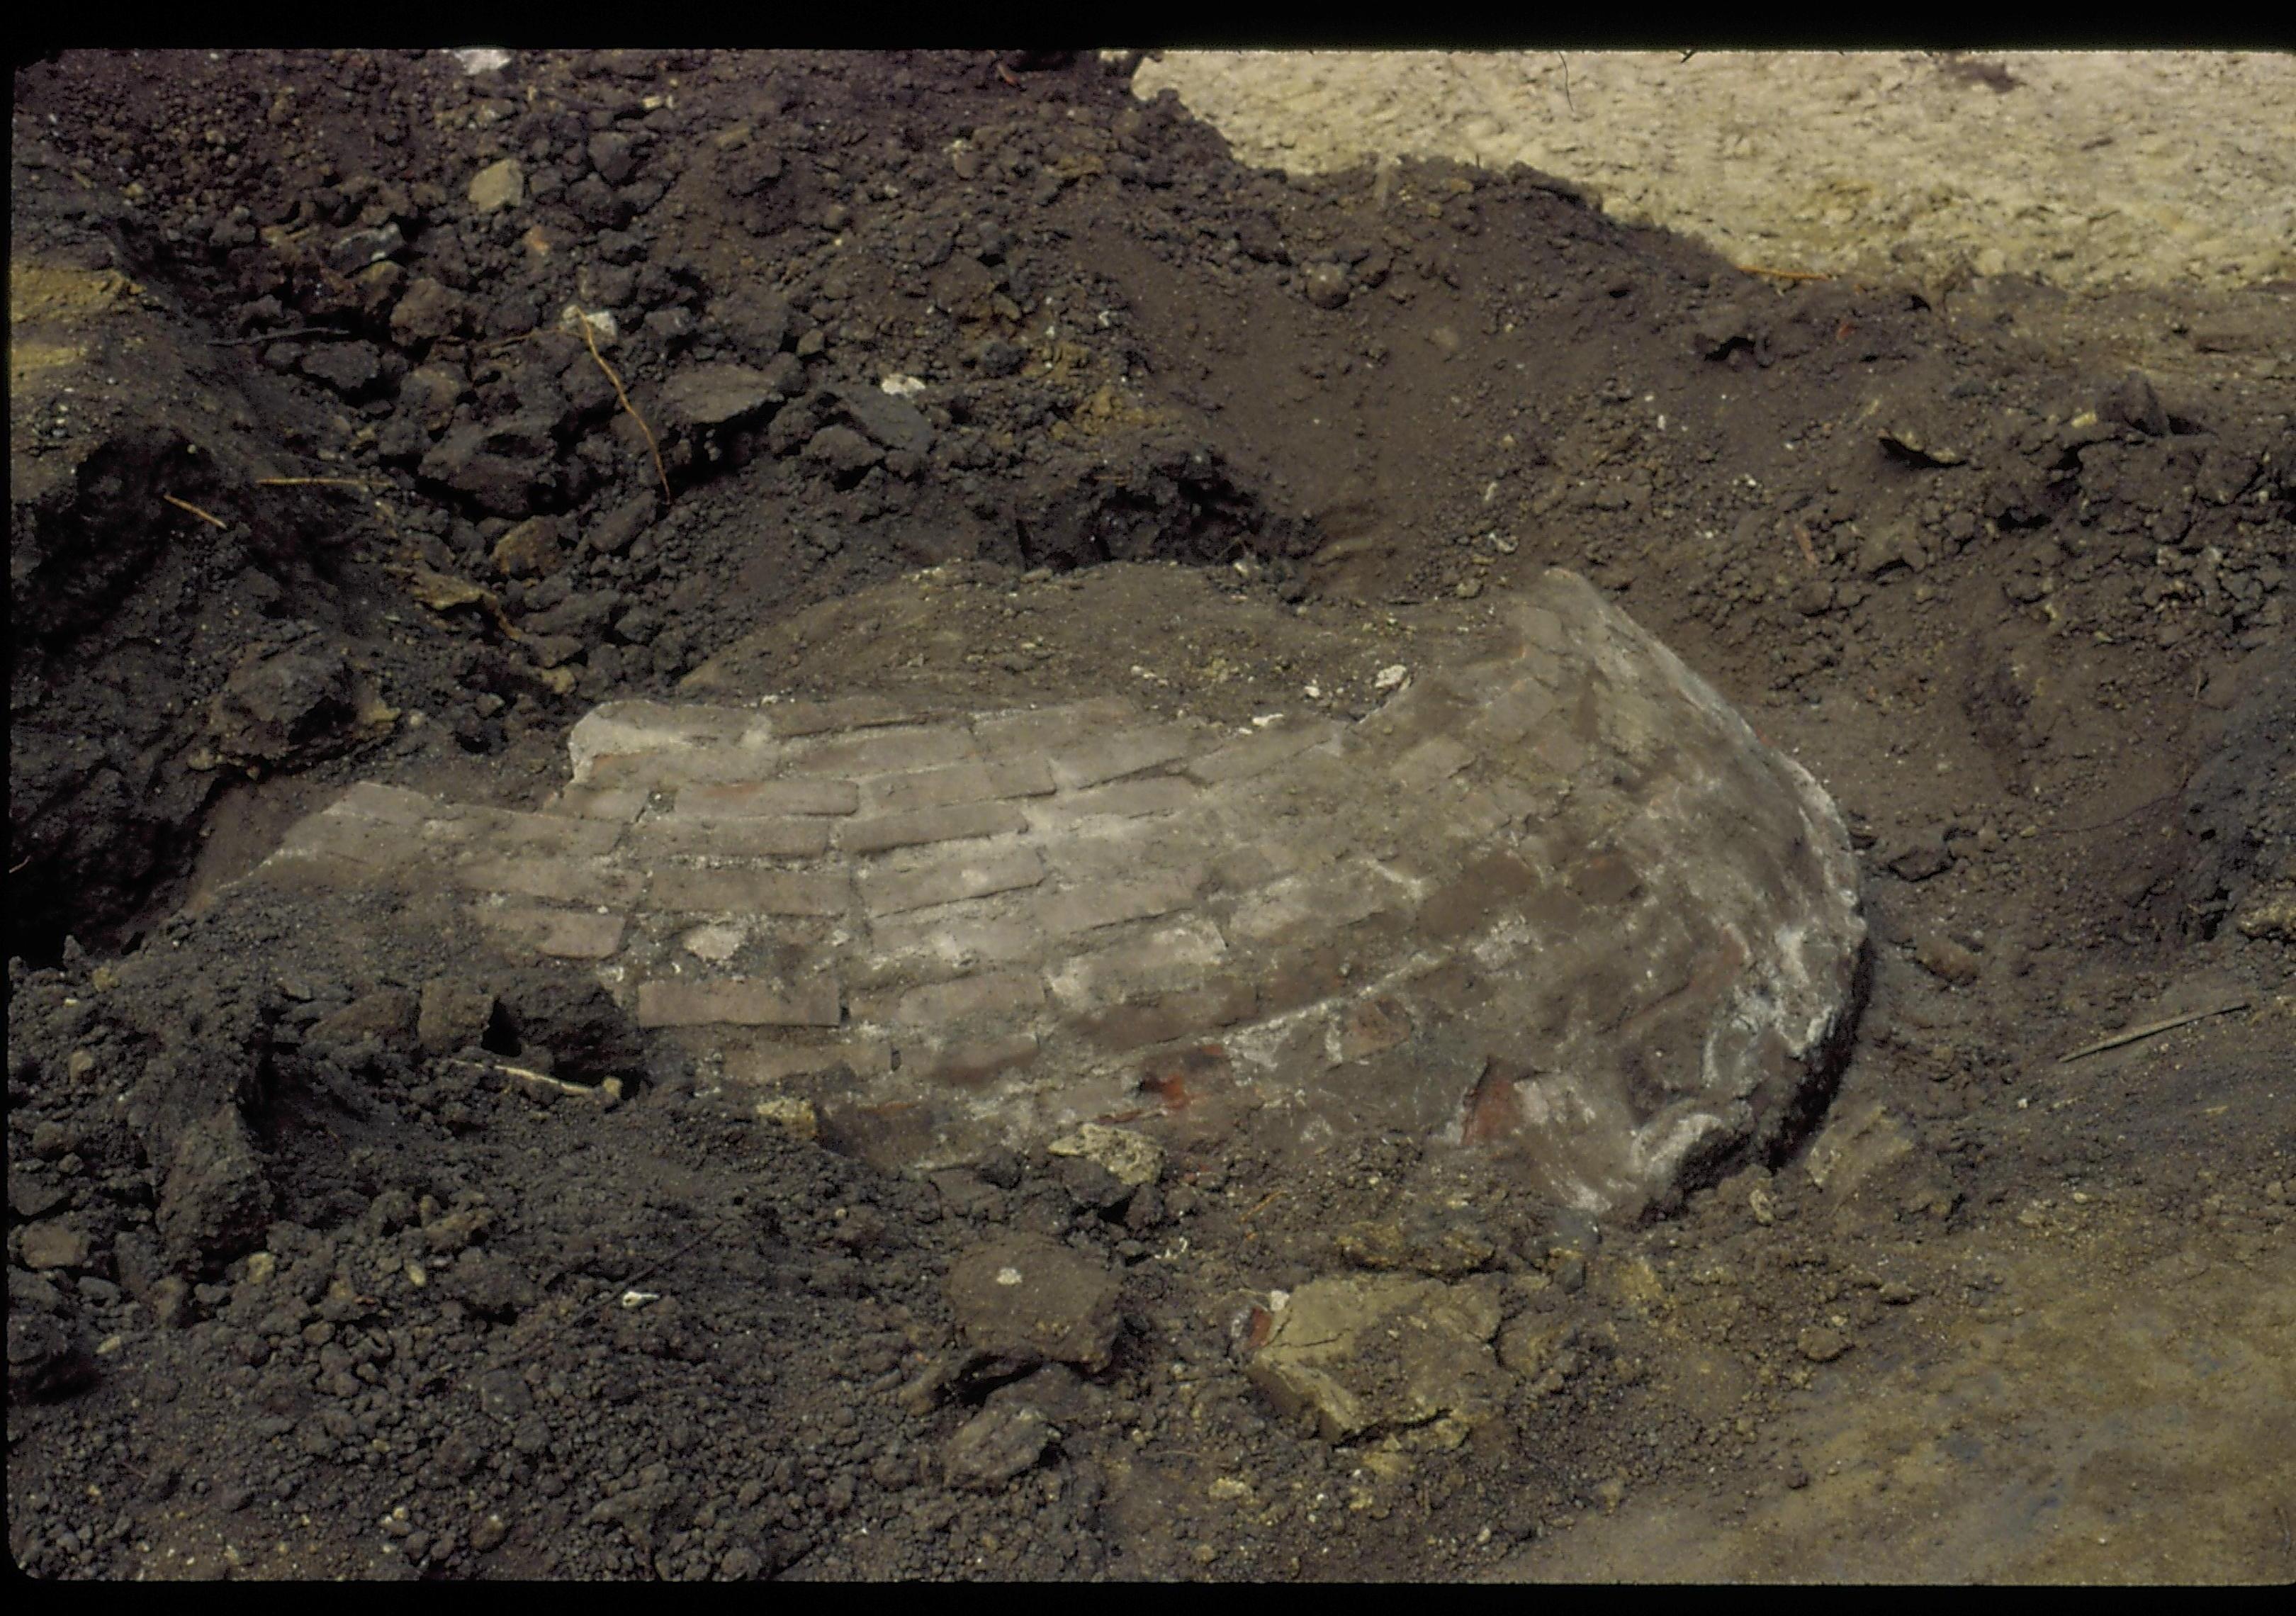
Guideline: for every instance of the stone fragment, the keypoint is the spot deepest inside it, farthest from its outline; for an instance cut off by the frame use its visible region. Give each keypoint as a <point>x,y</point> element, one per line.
<point>48,1246</point>
<point>1822,1344</point>
<point>1946,959</point>
<point>1130,1158</point>
<point>498,185</point>
<point>427,311</point>
<point>387,1014</point>
<point>1023,1301</point>
<point>716,395</point>
<point>1369,1353</point>
<point>454,1015</point>
<point>995,1446</point>
<point>1921,857</point>
<point>47,1359</point>
<point>288,703</point>
<point>844,451</point>
<point>888,422</point>
<point>529,550</point>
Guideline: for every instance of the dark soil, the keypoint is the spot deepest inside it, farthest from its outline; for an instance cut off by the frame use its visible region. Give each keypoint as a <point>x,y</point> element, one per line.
<point>289,1296</point>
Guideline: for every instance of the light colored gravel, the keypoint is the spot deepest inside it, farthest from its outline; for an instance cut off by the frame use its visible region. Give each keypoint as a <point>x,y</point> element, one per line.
<point>2164,170</point>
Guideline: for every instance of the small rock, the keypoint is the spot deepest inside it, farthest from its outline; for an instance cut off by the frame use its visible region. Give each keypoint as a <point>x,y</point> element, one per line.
<point>997,357</point>
<point>498,185</point>
<point>529,550</point>
<point>1896,545</point>
<point>46,1359</point>
<point>844,451</point>
<point>885,419</point>
<point>1374,1351</point>
<point>49,1246</point>
<point>2132,402</point>
<point>1925,855</point>
<point>612,533</point>
<point>30,1197</point>
<point>1025,1300</point>
<point>1131,1158</point>
<point>1946,959</point>
<point>611,156</point>
<point>452,1016</point>
<point>995,1446</point>
<point>361,248</point>
<point>387,1014</point>
<point>716,395</point>
<point>348,367</point>
<point>489,1533</point>
<point>428,311</point>
<point>1822,1344</point>
<point>284,704</point>
<point>1327,285</point>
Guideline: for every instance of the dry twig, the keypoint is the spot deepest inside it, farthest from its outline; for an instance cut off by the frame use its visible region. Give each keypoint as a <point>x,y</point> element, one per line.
<point>211,520</point>
<point>2149,1029</point>
<point>590,338</point>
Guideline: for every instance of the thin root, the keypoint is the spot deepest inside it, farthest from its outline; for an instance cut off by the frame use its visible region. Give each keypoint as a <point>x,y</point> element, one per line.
<point>209,518</point>
<point>590,338</point>
<point>2150,1030</point>
<point>313,483</point>
<point>1781,274</point>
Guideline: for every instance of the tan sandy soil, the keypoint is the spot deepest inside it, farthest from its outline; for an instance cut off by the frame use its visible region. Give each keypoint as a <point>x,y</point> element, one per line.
<point>2089,169</point>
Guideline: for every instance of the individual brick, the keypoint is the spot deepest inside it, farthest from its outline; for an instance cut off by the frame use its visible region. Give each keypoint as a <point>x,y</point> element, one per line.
<point>675,833</point>
<point>1523,707</point>
<point>1162,1018</point>
<point>620,803</point>
<point>1045,729</point>
<point>791,719</point>
<point>1431,763</point>
<point>1323,900</point>
<point>762,799</point>
<point>672,1003</point>
<point>969,1063</point>
<point>956,822</point>
<point>1256,754</point>
<point>766,1064</point>
<point>1098,851</point>
<point>954,942</point>
<point>369,843</point>
<point>1111,757</point>
<point>558,879</point>
<point>1246,865</point>
<point>889,751</point>
<point>991,993</point>
<point>685,766</point>
<point>510,836</point>
<point>1111,903</point>
<point>1171,958</point>
<point>969,781</point>
<point>626,728</point>
<point>557,933</point>
<point>737,891</point>
<point>949,879</point>
<point>1126,800</point>
<point>390,804</point>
